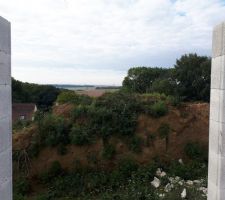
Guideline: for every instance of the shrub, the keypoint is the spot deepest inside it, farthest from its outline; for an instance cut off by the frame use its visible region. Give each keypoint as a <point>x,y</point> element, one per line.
<point>19,197</point>
<point>22,186</point>
<point>126,167</point>
<point>190,171</point>
<point>54,171</point>
<point>195,151</point>
<point>67,97</point>
<point>72,97</point>
<point>174,100</point>
<point>54,130</point>
<point>135,144</point>
<point>158,109</point>
<point>80,135</point>
<point>108,152</point>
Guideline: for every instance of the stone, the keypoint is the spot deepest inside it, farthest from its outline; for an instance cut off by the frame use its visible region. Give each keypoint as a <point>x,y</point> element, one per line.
<point>156,182</point>
<point>5,112</point>
<point>189,182</point>
<point>183,193</point>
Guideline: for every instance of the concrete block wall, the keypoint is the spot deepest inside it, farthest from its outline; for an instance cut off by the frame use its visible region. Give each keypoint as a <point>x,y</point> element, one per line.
<point>5,112</point>
<point>216,168</point>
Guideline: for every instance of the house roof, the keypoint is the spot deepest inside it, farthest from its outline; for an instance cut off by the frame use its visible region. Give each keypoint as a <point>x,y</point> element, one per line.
<point>23,109</point>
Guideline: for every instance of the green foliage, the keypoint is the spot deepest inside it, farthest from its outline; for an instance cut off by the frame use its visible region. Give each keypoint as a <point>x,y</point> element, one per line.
<point>54,171</point>
<point>189,79</point>
<point>140,79</point>
<point>135,144</point>
<point>18,196</point>
<point>72,97</point>
<point>165,86</point>
<point>196,152</point>
<point>67,97</point>
<point>42,95</point>
<point>127,166</point>
<point>193,75</point>
<point>21,186</point>
<point>108,152</point>
<point>158,109</point>
<point>20,124</point>
<point>173,100</point>
<point>80,135</point>
<point>190,171</point>
<point>53,130</point>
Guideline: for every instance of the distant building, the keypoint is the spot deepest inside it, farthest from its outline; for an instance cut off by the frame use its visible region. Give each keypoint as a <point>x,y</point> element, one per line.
<point>23,111</point>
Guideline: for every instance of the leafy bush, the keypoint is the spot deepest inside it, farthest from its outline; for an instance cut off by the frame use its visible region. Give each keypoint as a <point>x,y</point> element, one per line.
<point>18,197</point>
<point>158,109</point>
<point>72,97</point>
<point>135,144</point>
<point>174,100</point>
<point>67,97</point>
<point>80,135</point>
<point>108,151</point>
<point>54,171</point>
<point>22,186</point>
<point>54,130</point>
<point>196,151</point>
<point>189,171</point>
<point>127,166</point>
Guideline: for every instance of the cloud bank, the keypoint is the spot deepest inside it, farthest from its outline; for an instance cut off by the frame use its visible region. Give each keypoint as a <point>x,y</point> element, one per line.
<point>97,41</point>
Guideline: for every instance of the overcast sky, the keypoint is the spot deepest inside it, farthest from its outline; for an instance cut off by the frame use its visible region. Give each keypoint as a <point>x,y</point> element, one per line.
<point>97,41</point>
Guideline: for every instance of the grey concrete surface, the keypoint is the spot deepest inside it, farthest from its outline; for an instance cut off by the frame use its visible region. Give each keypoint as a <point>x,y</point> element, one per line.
<point>5,112</point>
<point>216,168</point>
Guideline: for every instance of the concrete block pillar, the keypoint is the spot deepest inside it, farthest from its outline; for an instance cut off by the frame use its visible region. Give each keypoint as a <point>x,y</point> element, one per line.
<point>216,170</point>
<point>5,112</point>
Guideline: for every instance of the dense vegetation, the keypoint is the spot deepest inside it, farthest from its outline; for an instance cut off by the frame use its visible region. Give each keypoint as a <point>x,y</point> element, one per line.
<point>42,95</point>
<point>189,79</point>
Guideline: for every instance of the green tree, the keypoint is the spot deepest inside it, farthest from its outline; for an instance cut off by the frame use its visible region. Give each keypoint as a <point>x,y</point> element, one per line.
<point>140,79</point>
<point>192,73</point>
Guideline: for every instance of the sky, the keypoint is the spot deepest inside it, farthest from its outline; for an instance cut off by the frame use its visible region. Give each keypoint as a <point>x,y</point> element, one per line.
<point>97,41</point>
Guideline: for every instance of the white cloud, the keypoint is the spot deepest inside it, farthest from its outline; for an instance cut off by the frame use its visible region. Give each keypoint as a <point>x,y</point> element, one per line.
<point>69,39</point>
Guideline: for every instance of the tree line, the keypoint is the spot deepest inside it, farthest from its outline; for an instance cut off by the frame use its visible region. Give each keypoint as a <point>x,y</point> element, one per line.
<point>189,79</point>
<point>42,95</point>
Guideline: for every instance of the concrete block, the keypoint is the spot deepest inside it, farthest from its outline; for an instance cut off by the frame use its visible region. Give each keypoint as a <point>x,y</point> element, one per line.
<point>218,48</point>
<point>5,134</point>
<point>214,131</point>
<point>5,101</point>
<point>216,72</point>
<point>5,36</point>
<point>215,104</point>
<point>212,191</point>
<point>213,167</point>
<point>6,166</point>
<point>6,189</point>
<point>5,63</point>
<point>5,112</point>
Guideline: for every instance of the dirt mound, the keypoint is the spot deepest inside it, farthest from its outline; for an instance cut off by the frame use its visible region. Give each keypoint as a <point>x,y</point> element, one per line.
<point>189,123</point>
